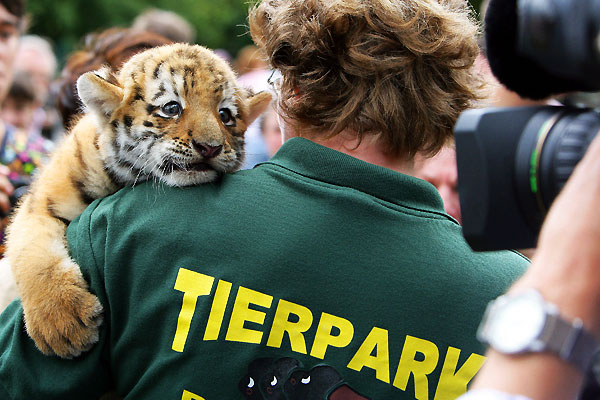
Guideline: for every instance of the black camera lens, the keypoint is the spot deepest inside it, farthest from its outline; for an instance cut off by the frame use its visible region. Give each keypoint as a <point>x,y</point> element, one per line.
<point>512,163</point>
<point>562,37</point>
<point>551,145</point>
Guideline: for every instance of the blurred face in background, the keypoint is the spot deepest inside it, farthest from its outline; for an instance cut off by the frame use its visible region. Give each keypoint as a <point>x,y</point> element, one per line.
<point>40,67</point>
<point>9,42</point>
<point>271,131</point>
<point>18,114</point>
<point>441,172</point>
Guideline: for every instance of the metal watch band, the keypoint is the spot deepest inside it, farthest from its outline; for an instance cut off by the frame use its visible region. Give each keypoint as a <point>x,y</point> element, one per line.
<point>572,342</point>
<point>568,340</point>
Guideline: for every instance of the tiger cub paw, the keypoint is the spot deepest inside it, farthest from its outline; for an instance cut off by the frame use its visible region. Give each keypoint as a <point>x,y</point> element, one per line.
<point>65,321</point>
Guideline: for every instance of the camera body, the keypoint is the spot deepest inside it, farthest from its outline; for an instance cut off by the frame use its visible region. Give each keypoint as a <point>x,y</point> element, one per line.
<point>513,162</point>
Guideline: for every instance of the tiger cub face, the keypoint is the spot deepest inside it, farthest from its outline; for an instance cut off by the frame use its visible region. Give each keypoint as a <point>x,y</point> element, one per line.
<point>174,113</point>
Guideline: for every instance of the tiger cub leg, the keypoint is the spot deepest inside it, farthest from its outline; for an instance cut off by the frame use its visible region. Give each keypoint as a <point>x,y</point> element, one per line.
<point>61,315</point>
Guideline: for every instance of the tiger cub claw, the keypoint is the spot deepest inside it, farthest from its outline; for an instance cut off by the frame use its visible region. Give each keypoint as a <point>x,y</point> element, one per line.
<point>66,326</point>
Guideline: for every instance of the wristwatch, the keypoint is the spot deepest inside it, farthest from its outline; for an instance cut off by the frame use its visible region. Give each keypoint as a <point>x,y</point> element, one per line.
<point>523,322</point>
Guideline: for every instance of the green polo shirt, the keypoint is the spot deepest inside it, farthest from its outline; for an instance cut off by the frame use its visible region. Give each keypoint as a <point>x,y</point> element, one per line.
<point>313,276</point>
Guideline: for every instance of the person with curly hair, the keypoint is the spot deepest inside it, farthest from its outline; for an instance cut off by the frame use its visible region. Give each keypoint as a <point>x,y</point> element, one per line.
<point>327,272</point>
<point>400,72</point>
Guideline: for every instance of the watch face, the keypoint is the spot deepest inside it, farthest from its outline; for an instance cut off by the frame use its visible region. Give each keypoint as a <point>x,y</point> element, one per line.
<point>516,323</point>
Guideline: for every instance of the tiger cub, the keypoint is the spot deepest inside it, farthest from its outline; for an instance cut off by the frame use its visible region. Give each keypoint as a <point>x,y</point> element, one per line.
<point>174,114</point>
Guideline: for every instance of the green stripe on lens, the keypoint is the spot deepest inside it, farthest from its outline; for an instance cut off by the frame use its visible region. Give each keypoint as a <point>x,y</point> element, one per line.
<point>532,172</point>
<point>534,160</point>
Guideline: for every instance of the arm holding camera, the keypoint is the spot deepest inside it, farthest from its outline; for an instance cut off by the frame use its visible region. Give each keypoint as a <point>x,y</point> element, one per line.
<point>566,271</point>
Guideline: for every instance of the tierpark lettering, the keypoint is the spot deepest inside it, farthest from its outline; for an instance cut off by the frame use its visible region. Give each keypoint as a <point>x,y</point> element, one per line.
<point>419,357</point>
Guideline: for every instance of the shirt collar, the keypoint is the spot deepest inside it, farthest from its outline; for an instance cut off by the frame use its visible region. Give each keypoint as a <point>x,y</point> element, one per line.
<point>321,163</point>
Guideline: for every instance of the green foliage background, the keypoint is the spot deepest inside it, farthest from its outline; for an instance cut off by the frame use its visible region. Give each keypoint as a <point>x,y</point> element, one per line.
<point>219,23</point>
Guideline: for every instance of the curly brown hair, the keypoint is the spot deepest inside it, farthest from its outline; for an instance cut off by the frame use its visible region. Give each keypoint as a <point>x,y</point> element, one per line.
<point>401,69</point>
<point>111,47</point>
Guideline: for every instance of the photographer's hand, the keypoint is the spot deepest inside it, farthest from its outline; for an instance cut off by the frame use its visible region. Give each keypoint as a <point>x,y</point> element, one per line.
<point>566,270</point>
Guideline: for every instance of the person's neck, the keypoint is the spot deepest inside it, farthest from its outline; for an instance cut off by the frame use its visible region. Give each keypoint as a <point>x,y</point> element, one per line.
<point>369,150</point>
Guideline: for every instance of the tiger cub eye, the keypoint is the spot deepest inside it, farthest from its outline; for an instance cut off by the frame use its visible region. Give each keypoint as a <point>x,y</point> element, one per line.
<point>171,109</point>
<point>226,117</point>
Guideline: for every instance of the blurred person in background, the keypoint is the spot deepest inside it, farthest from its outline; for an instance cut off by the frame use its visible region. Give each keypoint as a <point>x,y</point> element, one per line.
<point>36,58</point>
<point>12,20</point>
<point>253,73</point>
<point>250,59</point>
<point>224,54</point>
<point>21,102</point>
<point>440,170</point>
<point>11,25</point>
<point>271,132</point>
<point>111,47</point>
<point>165,23</point>
<point>22,149</point>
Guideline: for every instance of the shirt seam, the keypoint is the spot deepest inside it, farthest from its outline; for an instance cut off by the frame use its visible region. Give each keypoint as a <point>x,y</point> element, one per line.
<point>89,239</point>
<point>520,255</point>
<point>434,215</point>
<point>99,271</point>
<point>86,220</point>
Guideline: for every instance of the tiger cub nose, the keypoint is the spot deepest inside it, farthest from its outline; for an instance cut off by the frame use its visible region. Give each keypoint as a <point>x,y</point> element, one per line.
<point>207,150</point>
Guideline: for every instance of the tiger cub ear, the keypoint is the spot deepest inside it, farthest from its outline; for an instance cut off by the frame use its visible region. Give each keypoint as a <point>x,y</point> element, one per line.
<point>97,93</point>
<point>257,104</point>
